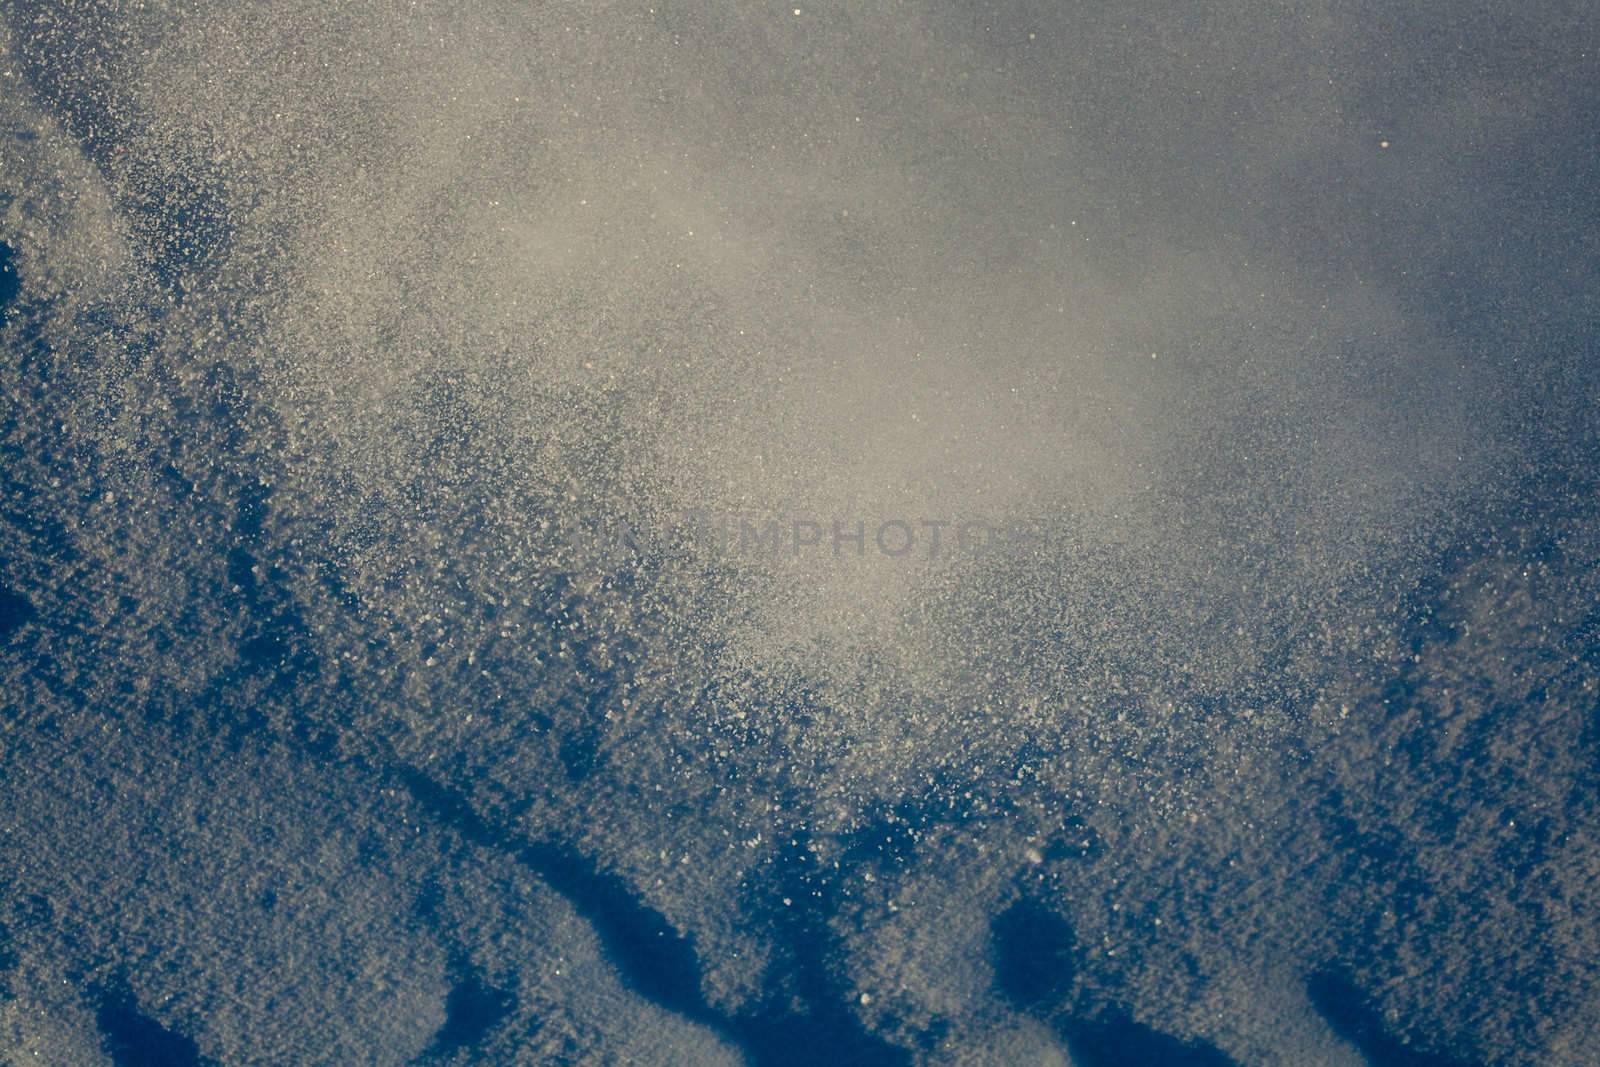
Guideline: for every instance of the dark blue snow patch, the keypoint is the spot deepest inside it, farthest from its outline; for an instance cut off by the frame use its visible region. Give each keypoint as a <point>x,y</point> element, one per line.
<point>582,719</point>
<point>8,957</point>
<point>10,284</point>
<point>1356,1020</point>
<point>890,840</point>
<point>133,1039</point>
<point>794,902</point>
<point>242,571</point>
<point>15,612</point>
<point>653,958</point>
<point>1364,846</point>
<point>472,1010</point>
<point>8,963</point>
<point>1035,961</point>
<point>888,834</point>
<point>1075,840</point>
<point>266,648</point>
<point>1584,639</point>
<point>659,962</point>
<point>1113,1039</point>
<point>252,505</point>
<point>1033,955</point>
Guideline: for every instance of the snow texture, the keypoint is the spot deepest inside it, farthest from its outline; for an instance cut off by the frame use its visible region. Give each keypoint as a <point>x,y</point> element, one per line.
<point>1278,744</point>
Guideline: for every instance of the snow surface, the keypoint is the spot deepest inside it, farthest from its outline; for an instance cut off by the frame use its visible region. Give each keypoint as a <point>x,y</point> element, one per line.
<point>1278,745</point>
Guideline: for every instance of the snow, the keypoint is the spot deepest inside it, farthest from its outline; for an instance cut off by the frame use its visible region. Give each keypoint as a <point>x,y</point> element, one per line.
<point>333,319</point>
